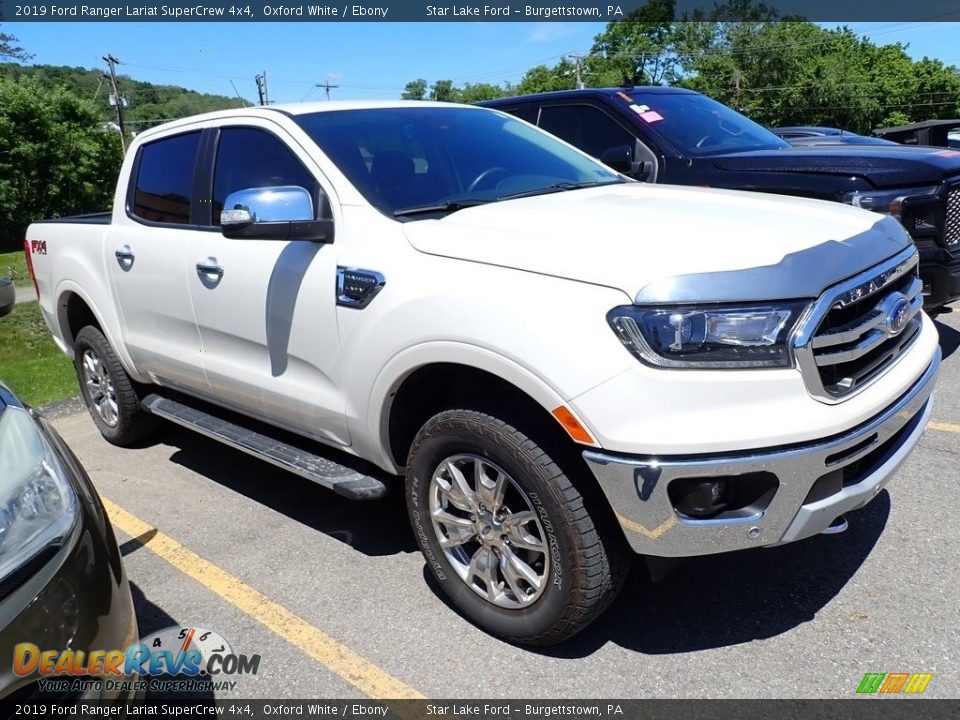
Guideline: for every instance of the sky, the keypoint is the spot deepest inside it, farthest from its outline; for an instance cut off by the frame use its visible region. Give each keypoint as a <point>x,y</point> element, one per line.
<point>367,60</point>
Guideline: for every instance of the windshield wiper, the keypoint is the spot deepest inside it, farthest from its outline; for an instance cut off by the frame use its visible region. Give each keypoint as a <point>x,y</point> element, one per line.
<point>447,206</point>
<point>560,187</point>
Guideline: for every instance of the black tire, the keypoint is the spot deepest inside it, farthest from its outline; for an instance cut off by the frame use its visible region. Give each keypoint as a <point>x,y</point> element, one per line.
<point>588,559</point>
<point>131,424</point>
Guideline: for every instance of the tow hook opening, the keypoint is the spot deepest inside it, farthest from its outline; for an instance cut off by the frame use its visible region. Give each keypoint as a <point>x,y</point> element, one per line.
<point>838,525</point>
<point>722,497</point>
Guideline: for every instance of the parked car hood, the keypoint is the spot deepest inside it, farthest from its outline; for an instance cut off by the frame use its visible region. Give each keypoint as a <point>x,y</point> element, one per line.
<point>629,236</point>
<point>881,165</point>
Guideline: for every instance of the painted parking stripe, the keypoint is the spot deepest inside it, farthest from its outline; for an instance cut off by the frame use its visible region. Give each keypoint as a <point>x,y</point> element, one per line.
<point>335,656</point>
<point>946,427</point>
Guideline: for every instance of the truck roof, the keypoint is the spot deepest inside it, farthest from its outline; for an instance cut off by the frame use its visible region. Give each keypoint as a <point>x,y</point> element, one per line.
<point>294,109</point>
<point>589,92</point>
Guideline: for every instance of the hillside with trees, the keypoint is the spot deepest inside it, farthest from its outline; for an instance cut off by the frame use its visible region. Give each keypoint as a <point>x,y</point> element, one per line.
<point>149,104</point>
<point>59,148</point>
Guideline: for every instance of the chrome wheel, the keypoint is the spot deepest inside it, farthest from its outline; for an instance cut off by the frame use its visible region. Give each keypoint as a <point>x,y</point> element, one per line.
<point>489,531</point>
<point>101,394</point>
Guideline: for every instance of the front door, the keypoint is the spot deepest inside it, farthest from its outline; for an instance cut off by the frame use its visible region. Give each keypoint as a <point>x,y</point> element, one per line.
<point>266,309</point>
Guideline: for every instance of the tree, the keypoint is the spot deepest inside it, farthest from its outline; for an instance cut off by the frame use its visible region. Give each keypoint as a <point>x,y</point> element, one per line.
<point>444,91</point>
<point>56,157</point>
<point>10,50</point>
<point>474,93</point>
<point>415,90</point>
<point>640,49</point>
<point>541,78</point>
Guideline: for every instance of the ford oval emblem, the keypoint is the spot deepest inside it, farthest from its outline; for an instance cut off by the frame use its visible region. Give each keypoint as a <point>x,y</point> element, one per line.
<point>898,313</point>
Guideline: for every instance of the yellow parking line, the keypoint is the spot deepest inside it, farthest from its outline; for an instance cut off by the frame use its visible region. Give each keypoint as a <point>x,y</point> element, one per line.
<point>946,427</point>
<point>335,656</point>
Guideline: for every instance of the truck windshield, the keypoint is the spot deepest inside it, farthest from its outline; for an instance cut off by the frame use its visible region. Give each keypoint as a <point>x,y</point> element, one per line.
<point>412,162</point>
<point>699,127</point>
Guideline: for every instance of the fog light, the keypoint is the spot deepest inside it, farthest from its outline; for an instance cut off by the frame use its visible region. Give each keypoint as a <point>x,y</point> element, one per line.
<point>699,497</point>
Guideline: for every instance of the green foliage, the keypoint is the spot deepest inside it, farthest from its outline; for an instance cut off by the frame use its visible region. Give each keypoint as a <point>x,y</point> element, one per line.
<point>472,93</point>
<point>31,364</point>
<point>545,79</point>
<point>778,73</point>
<point>415,90</point>
<point>10,50</point>
<point>13,265</point>
<point>56,157</point>
<point>444,91</point>
<point>799,73</point>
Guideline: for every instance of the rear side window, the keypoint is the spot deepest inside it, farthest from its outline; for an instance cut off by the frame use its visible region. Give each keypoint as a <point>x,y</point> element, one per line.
<point>164,183</point>
<point>253,158</point>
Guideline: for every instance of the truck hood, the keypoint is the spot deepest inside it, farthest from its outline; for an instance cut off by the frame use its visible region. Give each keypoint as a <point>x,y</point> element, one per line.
<point>881,165</point>
<point>637,236</point>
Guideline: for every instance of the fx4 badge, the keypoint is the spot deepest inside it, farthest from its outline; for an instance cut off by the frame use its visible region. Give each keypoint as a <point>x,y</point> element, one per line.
<point>38,247</point>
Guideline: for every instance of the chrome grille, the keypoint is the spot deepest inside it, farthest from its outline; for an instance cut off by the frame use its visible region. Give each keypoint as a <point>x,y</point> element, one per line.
<point>858,329</point>
<point>951,233</point>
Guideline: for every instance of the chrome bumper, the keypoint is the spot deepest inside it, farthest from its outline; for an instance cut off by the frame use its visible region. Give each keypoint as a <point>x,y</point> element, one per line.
<point>636,487</point>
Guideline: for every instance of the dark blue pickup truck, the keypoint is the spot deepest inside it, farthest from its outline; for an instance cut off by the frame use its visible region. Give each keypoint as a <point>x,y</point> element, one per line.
<point>671,135</point>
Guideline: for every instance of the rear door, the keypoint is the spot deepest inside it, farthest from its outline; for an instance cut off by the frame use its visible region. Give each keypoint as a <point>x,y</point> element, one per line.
<point>266,309</point>
<point>146,253</point>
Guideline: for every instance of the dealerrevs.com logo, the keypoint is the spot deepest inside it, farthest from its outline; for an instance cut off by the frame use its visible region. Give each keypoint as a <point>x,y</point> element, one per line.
<point>188,657</point>
<point>894,683</point>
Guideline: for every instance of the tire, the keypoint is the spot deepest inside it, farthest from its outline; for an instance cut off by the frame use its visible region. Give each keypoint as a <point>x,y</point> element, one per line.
<point>578,565</point>
<point>111,396</point>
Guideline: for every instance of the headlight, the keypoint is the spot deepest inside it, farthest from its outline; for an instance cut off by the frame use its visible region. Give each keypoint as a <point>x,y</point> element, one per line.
<point>889,202</point>
<point>685,336</point>
<point>38,506</point>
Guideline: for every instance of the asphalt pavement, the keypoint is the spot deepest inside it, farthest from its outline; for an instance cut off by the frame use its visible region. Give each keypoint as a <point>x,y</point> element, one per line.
<point>334,597</point>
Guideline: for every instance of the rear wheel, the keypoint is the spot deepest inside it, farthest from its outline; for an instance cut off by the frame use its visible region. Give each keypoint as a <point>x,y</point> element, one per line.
<point>110,394</point>
<point>506,533</point>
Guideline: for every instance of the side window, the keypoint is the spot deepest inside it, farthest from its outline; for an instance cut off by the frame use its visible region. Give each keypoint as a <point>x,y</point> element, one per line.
<point>164,183</point>
<point>253,158</point>
<point>526,112</point>
<point>585,127</point>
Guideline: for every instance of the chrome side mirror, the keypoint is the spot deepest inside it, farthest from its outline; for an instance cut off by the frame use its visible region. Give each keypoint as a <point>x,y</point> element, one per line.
<point>287,203</point>
<point>284,212</point>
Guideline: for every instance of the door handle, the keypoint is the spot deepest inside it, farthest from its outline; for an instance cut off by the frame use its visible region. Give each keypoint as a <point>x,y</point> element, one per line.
<point>125,257</point>
<point>209,270</point>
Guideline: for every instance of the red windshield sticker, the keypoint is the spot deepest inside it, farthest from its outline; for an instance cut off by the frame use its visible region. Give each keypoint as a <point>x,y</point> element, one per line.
<point>624,96</point>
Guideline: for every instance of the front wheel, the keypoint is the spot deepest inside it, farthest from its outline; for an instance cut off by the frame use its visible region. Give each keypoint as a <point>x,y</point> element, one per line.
<point>505,531</point>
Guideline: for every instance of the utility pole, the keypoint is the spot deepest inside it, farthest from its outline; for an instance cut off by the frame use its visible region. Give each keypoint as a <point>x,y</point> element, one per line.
<point>262,88</point>
<point>112,62</point>
<point>579,70</point>
<point>328,87</point>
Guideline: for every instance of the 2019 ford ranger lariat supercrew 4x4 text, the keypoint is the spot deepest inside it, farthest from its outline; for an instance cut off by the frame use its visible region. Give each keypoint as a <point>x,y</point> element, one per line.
<point>564,365</point>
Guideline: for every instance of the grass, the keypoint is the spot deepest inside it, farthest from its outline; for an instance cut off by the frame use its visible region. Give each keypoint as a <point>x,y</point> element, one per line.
<point>30,363</point>
<point>18,263</point>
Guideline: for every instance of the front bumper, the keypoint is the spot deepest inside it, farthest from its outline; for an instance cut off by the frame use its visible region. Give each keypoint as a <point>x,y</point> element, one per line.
<point>866,457</point>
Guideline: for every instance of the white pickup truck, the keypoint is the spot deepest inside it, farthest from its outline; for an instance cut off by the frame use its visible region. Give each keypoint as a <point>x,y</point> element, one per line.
<point>563,364</point>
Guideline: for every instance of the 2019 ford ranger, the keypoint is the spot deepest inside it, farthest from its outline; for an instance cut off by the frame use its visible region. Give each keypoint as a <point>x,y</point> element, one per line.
<point>565,365</point>
<point>672,135</point>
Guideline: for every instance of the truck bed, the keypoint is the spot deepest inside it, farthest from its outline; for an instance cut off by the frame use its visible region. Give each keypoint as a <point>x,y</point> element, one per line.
<point>101,218</point>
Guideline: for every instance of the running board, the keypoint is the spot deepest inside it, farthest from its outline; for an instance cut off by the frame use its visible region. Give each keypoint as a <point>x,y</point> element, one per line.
<point>342,480</point>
